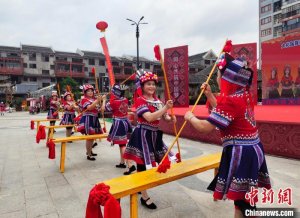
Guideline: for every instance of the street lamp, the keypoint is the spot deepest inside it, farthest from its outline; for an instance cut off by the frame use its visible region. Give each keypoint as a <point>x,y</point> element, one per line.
<point>137,38</point>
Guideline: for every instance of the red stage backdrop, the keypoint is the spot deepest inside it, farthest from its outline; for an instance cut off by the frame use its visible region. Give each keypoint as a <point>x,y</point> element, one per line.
<point>177,69</point>
<point>281,70</point>
<point>248,52</point>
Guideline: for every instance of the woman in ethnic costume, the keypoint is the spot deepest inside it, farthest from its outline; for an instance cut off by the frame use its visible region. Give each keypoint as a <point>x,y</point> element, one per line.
<point>146,146</point>
<point>297,84</point>
<point>89,123</point>
<point>273,84</point>
<point>121,127</point>
<point>287,83</point>
<point>54,108</point>
<point>243,163</point>
<point>69,113</point>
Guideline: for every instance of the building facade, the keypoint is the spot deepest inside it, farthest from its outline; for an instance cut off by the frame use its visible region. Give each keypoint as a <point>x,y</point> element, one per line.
<point>278,18</point>
<point>29,68</point>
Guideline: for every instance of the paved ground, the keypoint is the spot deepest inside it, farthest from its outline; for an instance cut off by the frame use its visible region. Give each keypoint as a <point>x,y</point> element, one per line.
<point>32,186</point>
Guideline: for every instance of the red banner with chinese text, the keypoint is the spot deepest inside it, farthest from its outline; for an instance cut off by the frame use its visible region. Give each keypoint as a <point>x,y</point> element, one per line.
<point>248,52</point>
<point>281,71</point>
<point>177,69</point>
<point>111,75</point>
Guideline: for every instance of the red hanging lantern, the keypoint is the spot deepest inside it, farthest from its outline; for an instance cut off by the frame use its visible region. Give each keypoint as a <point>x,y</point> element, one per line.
<point>102,25</point>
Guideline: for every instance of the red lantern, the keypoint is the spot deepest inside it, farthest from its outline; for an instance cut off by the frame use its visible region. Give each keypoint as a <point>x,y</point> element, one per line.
<point>102,25</point>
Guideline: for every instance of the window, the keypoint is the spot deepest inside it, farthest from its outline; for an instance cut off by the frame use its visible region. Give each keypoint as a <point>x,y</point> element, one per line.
<point>266,32</point>
<point>277,31</point>
<point>147,65</point>
<point>115,63</point>
<point>128,71</point>
<point>45,84</point>
<point>206,61</point>
<point>91,61</point>
<point>32,57</point>
<point>45,58</point>
<point>265,9</point>
<point>33,66</point>
<point>76,60</point>
<point>32,79</point>
<point>53,80</point>
<point>25,65</point>
<point>127,64</point>
<point>52,67</point>
<point>117,70</point>
<point>25,78</point>
<point>45,72</point>
<point>86,69</point>
<point>265,20</point>
<point>277,18</point>
<point>101,63</point>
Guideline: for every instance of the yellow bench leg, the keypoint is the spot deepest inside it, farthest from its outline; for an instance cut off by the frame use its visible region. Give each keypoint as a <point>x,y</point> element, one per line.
<point>62,157</point>
<point>51,133</point>
<point>134,205</point>
<point>37,126</point>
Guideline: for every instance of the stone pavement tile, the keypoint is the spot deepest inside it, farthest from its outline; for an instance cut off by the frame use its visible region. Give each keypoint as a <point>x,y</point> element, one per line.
<point>62,192</point>
<point>11,202</point>
<point>70,207</point>
<point>56,180</point>
<point>40,206</point>
<point>15,214</point>
<point>36,191</point>
<point>33,178</point>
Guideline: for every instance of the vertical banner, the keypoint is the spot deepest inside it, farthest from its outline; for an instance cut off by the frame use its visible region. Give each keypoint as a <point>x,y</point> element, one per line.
<point>111,75</point>
<point>248,52</point>
<point>281,70</point>
<point>177,69</point>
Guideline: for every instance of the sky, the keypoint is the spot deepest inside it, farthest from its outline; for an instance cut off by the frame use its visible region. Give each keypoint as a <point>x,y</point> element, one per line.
<point>66,25</point>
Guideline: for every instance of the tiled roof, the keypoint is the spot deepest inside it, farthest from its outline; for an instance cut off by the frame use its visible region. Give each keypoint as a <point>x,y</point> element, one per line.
<point>67,54</point>
<point>10,49</point>
<point>33,48</point>
<point>92,54</point>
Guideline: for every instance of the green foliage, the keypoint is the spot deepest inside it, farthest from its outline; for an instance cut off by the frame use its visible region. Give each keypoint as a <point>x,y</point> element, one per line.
<point>74,87</point>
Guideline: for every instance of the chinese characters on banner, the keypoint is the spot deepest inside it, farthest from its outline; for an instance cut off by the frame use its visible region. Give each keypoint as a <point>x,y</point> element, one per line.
<point>283,196</point>
<point>248,52</point>
<point>176,66</point>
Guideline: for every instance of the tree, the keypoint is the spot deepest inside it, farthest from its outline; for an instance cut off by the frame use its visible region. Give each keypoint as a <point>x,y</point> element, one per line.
<point>73,84</point>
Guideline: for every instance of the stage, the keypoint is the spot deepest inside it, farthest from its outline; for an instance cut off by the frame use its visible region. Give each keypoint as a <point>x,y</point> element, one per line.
<point>279,128</point>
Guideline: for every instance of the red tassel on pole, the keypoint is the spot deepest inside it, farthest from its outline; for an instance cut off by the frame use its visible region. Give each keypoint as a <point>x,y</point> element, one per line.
<point>51,147</point>
<point>41,134</point>
<point>31,124</point>
<point>164,166</point>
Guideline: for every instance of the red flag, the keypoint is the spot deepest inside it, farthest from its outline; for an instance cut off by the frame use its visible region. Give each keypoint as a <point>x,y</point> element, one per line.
<point>111,75</point>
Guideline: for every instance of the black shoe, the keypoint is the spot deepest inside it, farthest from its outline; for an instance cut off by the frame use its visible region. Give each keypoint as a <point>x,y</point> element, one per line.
<point>151,206</point>
<point>70,141</point>
<point>95,144</point>
<point>92,154</point>
<point>90,158</point>
<point>72,133</point>
<point>121,165</point>
<point>131,169</point>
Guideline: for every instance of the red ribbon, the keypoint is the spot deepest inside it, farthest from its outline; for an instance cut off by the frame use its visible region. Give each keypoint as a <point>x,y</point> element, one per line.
<point>111,75</point>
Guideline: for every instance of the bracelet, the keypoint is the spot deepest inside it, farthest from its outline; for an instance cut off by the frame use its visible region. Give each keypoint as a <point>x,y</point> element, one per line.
<point>191,118</point>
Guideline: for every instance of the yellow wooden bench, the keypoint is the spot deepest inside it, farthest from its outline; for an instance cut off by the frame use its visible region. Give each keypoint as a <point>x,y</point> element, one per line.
<point>132,184</point>
<point>38,121</point>
<point>65,140</point>
<point>52,128</point>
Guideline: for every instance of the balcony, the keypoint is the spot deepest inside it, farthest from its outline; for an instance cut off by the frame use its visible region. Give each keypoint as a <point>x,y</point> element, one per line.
<point>291,28</point>
<point>74,74</point>
<point>11,66</point>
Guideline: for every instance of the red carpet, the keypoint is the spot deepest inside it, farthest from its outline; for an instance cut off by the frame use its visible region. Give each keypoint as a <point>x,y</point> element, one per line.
<point>278,126</point>
<point>279,114</point>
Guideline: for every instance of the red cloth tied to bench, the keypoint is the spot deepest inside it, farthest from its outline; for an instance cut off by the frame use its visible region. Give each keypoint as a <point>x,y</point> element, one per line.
<point>100,196</point>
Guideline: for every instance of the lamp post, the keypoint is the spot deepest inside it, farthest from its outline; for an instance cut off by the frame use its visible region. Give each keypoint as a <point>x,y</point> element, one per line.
<point>137,38</point>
